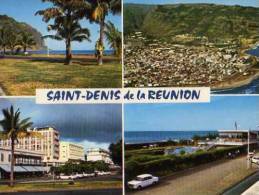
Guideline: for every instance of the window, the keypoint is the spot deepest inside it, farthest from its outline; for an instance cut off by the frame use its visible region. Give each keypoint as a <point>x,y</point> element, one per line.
<point>9,158</point>
<point>2,157</point>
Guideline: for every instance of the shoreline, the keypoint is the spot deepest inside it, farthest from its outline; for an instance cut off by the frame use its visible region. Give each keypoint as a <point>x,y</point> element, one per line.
<point>228,85</point>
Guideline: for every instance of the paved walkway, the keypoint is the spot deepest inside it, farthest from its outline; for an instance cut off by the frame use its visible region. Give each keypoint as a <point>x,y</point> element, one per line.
<point>211,179</point>
<point>2,92</point>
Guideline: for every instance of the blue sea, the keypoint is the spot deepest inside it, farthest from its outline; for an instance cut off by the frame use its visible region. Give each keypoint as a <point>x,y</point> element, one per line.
<point>137,137</point>
<point>75,52</point>
<point>251,88</point>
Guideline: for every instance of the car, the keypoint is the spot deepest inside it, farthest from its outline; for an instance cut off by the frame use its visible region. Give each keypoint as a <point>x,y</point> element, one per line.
<point>78,176</point>
<point>250,155</point>
<point>66,177</point>
<point>88,174</point>
<point>255,160</point>
<point>142,181</point>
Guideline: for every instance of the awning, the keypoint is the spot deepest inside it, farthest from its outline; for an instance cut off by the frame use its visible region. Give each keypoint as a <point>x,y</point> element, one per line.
<point>17,169</point>
<point>22,169</point>
<point>31,169</point>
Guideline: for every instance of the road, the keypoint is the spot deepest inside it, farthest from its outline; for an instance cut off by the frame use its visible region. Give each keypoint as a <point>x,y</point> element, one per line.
<point>210,179</point>
<point>74,192</point>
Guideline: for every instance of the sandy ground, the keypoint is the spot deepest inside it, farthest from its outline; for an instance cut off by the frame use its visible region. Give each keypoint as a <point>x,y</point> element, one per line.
<point>210,180</point>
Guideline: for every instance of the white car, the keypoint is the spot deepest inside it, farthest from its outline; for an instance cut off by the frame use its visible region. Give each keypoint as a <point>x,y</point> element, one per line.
<point>66,177</point>
<point>78,176</point>
<point>88,174</point>
<point>142,181</point>
<point>255,160</point>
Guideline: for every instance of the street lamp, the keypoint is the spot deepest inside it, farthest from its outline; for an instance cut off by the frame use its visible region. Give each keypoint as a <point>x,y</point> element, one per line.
<point>248,149</point>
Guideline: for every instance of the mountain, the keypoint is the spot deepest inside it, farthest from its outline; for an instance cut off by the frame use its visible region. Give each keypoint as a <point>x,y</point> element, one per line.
<point>21,26</point>
<point>210,20</point>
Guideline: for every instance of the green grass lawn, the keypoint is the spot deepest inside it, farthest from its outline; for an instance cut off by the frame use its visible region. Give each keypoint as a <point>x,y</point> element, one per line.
<point>23,76</point>
<point>62,186</point>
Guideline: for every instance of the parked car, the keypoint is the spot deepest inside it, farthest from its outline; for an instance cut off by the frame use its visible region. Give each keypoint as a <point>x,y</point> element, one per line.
<point>64,177</point>
<point>250,155</point>
<point>88,174</point>
<point>78,176</point>
<point>142,181</point>
<point>255,159</point>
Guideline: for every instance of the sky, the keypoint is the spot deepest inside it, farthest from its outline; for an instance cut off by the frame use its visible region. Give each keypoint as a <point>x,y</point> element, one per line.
<point>221,113</point>
<point>24,11</point>
<point>253,3</point>
<point>88,125</point>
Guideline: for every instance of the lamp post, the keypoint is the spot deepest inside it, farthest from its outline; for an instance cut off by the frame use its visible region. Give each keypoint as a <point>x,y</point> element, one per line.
<point>248,149</point>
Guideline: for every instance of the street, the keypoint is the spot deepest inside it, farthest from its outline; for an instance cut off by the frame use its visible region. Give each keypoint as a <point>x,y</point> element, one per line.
<point>210,179</point>
<point>74,192</point>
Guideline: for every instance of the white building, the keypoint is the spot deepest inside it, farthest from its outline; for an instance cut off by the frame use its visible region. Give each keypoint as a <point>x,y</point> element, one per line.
<point>71,151</point>
<point>46,143</point>
<point>49,144</point>
<point>234,138</point>
<point>237,137</point>
<point>98,154</point>
<point>26,162</point>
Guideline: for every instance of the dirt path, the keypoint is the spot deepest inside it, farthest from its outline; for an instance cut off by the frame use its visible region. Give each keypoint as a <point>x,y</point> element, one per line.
<point>211,180</point>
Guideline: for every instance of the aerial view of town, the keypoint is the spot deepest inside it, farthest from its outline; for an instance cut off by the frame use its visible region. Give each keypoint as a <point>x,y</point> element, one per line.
<point>69,151</point>
<point>197,149</point>
<point>188,45</point>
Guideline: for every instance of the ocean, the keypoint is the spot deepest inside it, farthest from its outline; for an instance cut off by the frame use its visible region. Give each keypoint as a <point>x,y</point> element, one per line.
<point>254,52</point>
<point>137,137</point>
<point>75,52</point>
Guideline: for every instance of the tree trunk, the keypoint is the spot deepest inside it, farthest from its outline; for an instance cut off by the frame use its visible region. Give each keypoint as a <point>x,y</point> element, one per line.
<point>68,52</point>
<point>100,53</point>
<point>4,50</point>
<point>12,164</point>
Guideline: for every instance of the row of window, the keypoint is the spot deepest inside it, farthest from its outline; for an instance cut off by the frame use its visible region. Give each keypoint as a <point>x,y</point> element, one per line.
<point>2,157</point>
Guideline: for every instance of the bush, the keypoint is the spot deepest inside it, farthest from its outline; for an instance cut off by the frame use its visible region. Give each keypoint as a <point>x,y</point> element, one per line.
<point>84,167</point>
<point>164,165</point>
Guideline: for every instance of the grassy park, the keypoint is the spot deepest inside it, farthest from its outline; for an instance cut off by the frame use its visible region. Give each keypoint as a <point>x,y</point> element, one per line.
<point>23,76</point>
<point>57,63</point>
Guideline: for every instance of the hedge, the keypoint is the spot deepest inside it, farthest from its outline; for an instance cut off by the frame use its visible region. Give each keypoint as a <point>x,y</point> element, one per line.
<point>166,165</point>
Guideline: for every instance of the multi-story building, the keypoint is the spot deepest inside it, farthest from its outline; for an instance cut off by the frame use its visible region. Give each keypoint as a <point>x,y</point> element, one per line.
<point>32,153</point>
<point>46,142</point>
<point>98,154</point>
<point>71,151</point>
<point>49,144</point>
<point>26,161</point>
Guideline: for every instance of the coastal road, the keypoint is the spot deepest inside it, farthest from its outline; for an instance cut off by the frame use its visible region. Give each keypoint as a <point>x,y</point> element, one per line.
<point>209,179</point>
<point>74,192</point>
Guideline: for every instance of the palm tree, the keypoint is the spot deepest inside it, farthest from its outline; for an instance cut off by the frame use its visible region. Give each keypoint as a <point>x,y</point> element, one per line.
<point>66,15</point>
<point>13,129</point>
<point>26,41</point>
<point>100,9</point>
<point>113,36</point>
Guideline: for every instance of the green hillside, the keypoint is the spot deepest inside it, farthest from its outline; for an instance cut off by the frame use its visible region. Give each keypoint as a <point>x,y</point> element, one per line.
<point>212,21</point>
<point>6,21</point>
